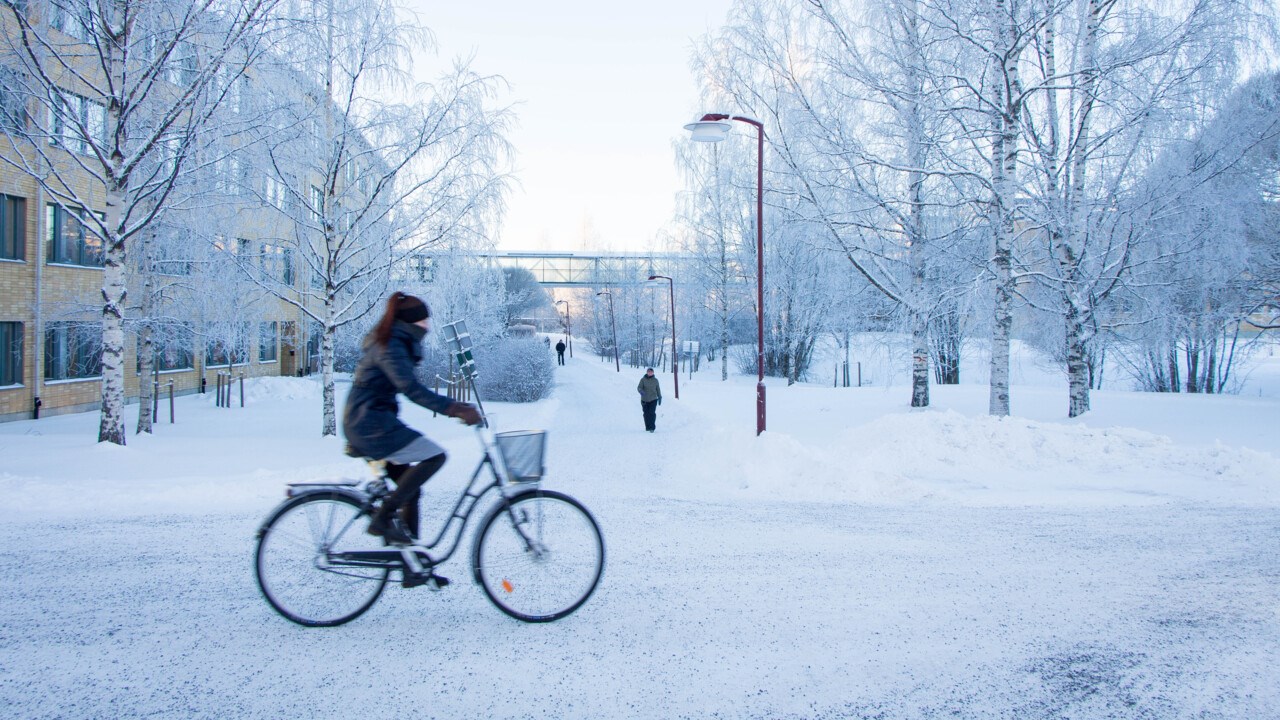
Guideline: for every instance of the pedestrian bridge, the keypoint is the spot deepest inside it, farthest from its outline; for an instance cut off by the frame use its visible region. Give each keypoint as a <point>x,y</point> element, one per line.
<point>572,269</point>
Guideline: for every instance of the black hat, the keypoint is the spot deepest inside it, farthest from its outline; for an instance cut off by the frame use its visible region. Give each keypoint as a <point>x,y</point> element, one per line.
<point>412,309</point>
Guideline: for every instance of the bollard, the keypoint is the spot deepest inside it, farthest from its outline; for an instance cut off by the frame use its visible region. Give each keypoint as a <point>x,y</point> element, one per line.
<point>170,402</point>
<point>242,391</point>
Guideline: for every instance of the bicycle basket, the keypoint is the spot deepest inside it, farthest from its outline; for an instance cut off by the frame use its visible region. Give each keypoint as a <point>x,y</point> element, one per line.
<point>522,452</point>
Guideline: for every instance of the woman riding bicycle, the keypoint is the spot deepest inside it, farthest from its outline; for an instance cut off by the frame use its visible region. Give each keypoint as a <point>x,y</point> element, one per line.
<point>371,419</point>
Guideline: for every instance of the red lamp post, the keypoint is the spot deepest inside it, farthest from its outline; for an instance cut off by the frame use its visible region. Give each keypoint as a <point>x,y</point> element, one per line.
<point>714,127</point>
<point>675,354</point>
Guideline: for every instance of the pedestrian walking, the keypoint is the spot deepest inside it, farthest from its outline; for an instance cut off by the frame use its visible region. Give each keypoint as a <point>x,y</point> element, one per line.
<point>560,351</point>
<point>650,398</point>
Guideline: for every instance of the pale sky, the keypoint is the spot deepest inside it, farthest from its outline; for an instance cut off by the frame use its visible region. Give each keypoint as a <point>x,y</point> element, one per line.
<point>602,91</point>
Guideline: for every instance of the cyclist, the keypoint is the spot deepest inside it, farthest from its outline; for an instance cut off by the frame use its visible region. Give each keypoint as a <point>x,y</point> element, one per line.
<point>371,419</point>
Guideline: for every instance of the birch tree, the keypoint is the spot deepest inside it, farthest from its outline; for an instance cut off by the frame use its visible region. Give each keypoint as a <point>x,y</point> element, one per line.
<point>364,168</point>
<point>117,92</point>
<point>1114,80</point>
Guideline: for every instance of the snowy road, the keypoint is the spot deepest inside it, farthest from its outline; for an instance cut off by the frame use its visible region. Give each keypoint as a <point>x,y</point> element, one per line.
<point>713,604</point>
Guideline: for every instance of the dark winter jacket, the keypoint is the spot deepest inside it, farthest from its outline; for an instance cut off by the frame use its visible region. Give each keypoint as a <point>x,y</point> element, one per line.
<point>649,389</point>
<point>560,347</point>
<point>371,421</point>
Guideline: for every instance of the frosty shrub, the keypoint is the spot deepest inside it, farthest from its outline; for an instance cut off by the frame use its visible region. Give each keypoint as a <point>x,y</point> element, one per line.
<point>510,369</point>
<point>515,370</point>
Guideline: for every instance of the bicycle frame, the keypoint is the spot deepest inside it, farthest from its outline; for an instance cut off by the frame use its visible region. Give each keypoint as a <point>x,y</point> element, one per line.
<point>411,557</point>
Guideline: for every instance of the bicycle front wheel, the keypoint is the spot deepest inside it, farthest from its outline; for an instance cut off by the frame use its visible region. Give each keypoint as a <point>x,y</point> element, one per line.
<point>538,555</point>
<point>294,561</point>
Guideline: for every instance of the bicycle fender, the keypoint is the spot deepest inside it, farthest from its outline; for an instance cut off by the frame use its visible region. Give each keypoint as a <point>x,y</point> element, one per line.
<point>298,492</point>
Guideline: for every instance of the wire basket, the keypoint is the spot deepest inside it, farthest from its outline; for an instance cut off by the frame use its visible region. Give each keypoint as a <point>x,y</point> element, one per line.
<point>522,453</point>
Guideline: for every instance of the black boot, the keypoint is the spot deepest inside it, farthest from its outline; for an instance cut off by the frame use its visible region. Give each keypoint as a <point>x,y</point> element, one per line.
<point>386,524</point>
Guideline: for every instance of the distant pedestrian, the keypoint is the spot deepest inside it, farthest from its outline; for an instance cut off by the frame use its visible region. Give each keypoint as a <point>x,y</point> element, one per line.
<point>560,351</point>
<point>650,399</point>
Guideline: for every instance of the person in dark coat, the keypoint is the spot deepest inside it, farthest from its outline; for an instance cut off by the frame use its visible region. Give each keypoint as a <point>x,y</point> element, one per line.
<point>650,399</point>
<point>560,351</point>
<point>371,419</point>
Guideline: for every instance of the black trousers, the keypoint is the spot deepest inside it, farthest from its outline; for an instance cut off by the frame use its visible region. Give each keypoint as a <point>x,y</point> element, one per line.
<point>409,480</point>
<point>561,356</point>
<point>650,409</point>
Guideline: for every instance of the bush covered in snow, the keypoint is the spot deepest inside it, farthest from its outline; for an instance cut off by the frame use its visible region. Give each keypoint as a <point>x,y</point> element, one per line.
<point>515,370</point>
<point>510,369</point>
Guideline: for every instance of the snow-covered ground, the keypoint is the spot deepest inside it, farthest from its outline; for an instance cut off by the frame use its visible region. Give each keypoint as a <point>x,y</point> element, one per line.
<point>858,560</point>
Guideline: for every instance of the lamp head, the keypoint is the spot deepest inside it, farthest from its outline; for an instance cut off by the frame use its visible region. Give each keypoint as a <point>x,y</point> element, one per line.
<point>708,130</point>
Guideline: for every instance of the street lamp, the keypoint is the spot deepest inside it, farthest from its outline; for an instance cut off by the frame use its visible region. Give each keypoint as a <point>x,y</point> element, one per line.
<point>675,371</point>
<point>613,325</point>
<point>714,127</point>
<point>568,321</point>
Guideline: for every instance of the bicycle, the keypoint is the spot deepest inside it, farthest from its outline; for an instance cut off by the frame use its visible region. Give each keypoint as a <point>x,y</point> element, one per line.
<point>538,554</point>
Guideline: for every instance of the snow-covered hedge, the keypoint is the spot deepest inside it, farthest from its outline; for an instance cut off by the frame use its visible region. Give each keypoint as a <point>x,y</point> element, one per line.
<point>515,370</point>
<point>510,369</point>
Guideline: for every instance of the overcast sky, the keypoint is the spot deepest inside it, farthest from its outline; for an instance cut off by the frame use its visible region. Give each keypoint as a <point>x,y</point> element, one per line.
<point>602,91</point>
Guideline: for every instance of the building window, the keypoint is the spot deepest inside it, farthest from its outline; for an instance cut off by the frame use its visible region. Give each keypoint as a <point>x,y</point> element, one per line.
<point>10,353</point>
<point>274,192</point>
<point>13,109</point>
<point>76,122</point>
<point>268,342</point>
<point>13,228</point>
<point>70,243</point>
<point>183,65</point>
<point>171,347</point>
<point>277,263</point>
<point>230,347</point>
<point>317,203</point>
<point>76,18</point>
<point>72,351</point>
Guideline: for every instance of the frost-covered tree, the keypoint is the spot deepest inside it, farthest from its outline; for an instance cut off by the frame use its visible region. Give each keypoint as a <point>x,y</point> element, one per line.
<point>1114,81</point>
<point>362,167</point>
<point>855,95</point>
<point>1210,262</point>
<point>718,237</point>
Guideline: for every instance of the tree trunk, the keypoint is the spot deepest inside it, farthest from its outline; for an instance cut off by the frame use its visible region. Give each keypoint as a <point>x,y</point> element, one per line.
<point>1004,169</point>
<point>146,387</point>
<point>326,378</point>
<point>146,354</point>
<point>1077,365</point>
<point>111,420</point>
<point>919,360</point>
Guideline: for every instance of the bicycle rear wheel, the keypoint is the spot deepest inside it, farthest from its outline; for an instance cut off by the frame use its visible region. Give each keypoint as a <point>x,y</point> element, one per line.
<point>538,556</point>
<point>293,564</point>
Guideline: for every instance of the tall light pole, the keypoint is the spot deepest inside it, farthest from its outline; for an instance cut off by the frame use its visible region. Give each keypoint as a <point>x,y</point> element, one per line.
<point>614,326</point>
<point>714,127</point>
<point>568,321</point>
<point>675,370</point>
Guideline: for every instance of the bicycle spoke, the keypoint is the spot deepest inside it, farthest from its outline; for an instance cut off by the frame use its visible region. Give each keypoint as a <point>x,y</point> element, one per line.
<point>540,559</point>
<point>292,556</point>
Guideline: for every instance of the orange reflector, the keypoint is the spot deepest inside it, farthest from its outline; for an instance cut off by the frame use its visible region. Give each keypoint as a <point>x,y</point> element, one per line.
<point>506,585</point>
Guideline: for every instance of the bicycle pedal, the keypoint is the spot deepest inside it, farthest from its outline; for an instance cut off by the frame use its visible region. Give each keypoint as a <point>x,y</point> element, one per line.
<point>433,582</point>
